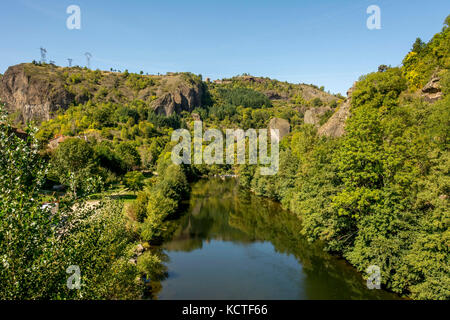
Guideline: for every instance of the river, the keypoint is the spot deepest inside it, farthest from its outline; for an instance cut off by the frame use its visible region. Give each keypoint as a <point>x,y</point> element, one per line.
<point>231,244</point>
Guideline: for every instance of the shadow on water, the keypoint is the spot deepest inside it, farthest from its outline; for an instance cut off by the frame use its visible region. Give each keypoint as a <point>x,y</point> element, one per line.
<point>231,244</point>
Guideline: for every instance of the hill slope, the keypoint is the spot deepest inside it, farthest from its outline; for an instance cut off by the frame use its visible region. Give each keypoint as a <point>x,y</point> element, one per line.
<point>37,92</point>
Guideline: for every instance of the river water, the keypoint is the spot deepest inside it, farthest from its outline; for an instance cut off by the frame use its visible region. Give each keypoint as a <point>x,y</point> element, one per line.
<point>231,244</point>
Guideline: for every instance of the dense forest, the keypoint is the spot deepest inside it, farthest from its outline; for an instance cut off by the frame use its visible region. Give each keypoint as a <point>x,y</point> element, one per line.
<point>378,195</point>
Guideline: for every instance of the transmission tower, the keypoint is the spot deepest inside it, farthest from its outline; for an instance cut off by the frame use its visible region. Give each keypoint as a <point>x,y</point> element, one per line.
<point>43,55</point>
<point>70,61</point>
<point>88,59</point>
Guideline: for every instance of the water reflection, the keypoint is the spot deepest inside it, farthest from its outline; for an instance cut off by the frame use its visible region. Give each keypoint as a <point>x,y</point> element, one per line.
<point>231,244</point>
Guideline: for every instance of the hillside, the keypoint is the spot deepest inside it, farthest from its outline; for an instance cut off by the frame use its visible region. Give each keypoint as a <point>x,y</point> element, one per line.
<point>277,90</point>
<point>34,91</point>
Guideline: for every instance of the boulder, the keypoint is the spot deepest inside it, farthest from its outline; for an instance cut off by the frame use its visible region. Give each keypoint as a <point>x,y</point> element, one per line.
<point>282,125</point>
<point>335,126</point>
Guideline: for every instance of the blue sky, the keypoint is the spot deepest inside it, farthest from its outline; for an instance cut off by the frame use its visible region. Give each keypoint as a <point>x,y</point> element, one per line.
<point>324,42</point>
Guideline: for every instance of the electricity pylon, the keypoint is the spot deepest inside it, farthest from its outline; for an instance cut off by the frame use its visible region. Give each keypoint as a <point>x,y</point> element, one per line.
<point>43,55</point>
<point>88,59</point>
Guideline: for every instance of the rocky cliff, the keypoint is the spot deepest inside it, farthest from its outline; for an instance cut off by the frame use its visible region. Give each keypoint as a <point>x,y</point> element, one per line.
<point>38,92</point>
<point>177,95</point>
<point>314,115</point>
<point>32,95</point>
<point>335,126</point>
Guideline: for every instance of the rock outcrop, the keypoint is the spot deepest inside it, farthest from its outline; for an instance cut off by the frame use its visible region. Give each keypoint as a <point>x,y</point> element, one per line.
<point>313,115</point>
<point>432,90</point>
<point>273,95</point>
<point>282,125</point>
<point>335,126</point>
<point>34,96</point>
<point>181,97</point>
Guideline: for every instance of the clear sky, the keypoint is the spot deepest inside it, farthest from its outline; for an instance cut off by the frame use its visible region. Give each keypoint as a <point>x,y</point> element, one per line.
<point>324,42</point>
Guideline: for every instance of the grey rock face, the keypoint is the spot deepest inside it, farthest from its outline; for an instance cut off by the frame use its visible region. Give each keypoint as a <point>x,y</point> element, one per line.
<point>335,126</point>
<point>182,98</point>
<point>35,98</point>
<point>313,115</point>
<point>282,125</point>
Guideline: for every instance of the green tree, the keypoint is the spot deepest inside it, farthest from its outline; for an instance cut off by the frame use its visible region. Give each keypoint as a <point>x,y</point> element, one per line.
<point>134,180</point>
<point>418,46</point>
<point>129,155</point>
<point>73,163</point>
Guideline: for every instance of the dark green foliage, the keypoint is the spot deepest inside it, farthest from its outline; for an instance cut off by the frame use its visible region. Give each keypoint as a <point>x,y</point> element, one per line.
<point>316,102</point>
<point>108,158</point>
<point>220,112</point>
<point>377,195</point>
<point>155,150</point>
<point>382,68</point>
<point>247,98</point>
<point>426,59</point>
<point>418,46</point>
<point>72,155</point>
<point>140,206</point>
<point>173,121</point>
<point>129,155</point>
<point>326,117</point>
